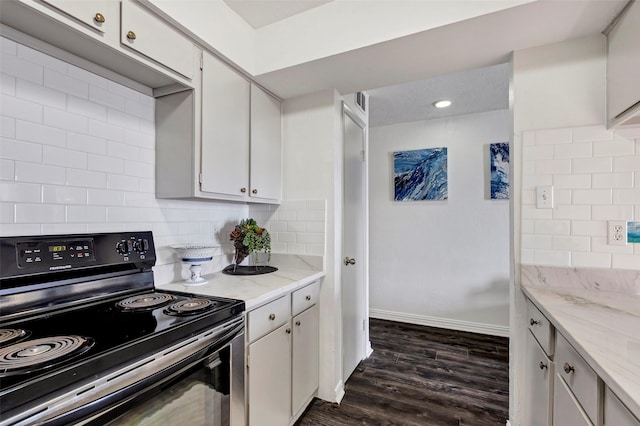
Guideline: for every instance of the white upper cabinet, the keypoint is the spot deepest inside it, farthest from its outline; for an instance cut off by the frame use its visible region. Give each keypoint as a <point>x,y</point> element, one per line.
<point>225,130</point>
<point>266,146</point>
<point>623,65</point>
<point>145,33</point>
<point>99,15</point>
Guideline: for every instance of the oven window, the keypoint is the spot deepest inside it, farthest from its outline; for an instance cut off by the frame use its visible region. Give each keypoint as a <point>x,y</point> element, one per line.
<point>198,397</point>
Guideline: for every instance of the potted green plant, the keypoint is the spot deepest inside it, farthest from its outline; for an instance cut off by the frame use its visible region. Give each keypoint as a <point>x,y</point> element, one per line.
<point>250,239</point>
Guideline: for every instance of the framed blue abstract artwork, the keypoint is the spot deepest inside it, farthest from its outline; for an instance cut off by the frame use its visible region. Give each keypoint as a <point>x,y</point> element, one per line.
<point>633,232</point>
<point>499,160</point>
<point>420,174</point>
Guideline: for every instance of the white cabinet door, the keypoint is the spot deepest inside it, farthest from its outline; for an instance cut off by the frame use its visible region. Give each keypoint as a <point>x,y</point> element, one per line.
<point>566,409</point>
<point>96,14</point>
<point>615,413</point>
<point>225,130</point>
<point>538,380</point>
<point>623,63</point>
<point>266,146</point>
<point>306,357</point>
<point>147,34</point>
<point>270,378</point>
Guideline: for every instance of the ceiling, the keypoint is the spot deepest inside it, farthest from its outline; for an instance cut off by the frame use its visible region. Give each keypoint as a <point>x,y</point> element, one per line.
<point>260,13</point>
<point>464,61</point>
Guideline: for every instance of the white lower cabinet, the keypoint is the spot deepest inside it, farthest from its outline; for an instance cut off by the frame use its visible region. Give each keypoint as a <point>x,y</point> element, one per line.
<point>566,409</point>
<point>539,383</point>
<point>283,357</point>
<point>615,413</point>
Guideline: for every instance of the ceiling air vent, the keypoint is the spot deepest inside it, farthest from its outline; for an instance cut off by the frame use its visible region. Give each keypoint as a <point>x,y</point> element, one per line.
<point>361,100</point>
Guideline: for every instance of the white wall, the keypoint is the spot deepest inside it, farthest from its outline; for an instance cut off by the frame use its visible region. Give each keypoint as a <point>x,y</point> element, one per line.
<point>312,168</point>
<point>443,263</point>
<point>77,154</point>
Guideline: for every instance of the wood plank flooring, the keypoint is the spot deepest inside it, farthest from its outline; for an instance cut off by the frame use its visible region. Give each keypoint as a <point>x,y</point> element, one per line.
<point>421,375</point>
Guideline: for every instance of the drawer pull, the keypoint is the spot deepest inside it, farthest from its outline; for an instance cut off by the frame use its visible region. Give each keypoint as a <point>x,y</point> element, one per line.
<point>298,323</point>
<point>131,35</point>
<point>533,322</point>
<point>272,317</point>
<point>308,298</point>
<point>99,18</point>
<point>542,365</point>
<point>567,368</point>
<point>243,190</point>
<point>288,330</point>
<point>254,191</point>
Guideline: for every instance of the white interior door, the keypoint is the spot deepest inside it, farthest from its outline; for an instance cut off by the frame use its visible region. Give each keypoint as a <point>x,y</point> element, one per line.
<point>354,292</point>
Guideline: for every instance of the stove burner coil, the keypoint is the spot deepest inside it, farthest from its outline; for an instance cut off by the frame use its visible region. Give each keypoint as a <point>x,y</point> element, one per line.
<point>145,301</point>
<point>189,306</point>
<point>8,335</point>
<point>41,353</point>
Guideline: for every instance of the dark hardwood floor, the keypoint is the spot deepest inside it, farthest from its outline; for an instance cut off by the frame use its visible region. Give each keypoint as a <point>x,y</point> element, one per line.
<point>421,375</point>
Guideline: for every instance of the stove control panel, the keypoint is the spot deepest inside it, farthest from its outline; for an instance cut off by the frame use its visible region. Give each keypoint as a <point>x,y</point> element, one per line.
<point>55,254</point>
<point>138,246</point>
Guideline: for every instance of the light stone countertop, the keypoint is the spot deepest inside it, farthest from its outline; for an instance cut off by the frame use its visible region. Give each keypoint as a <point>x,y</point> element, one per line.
<point>604,327</point>
<point>255,290</point>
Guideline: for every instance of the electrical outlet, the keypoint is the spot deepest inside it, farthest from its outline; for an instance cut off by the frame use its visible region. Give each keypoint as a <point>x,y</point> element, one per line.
<point>617,232</point>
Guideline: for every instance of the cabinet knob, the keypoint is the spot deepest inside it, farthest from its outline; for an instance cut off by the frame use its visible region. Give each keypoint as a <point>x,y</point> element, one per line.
<point>254,191</point>
<point>568,368</point>
<point>243,190</point>
<point>349,261</point>
<point>298,323</point>
<point>131,35</point>
<point>288,330</point>
<point>308,297</point>
<point>542,365</point>
<point>533,322</point>
<point>99,18</point>
<point>272,317</point>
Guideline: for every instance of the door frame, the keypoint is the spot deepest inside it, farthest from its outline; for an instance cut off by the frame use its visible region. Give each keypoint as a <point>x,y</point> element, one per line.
<point>347,110</point>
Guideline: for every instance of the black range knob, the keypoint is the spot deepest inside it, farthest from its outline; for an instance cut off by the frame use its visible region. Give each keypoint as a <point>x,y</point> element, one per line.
<point>141,245</point>
<point>124,246</point>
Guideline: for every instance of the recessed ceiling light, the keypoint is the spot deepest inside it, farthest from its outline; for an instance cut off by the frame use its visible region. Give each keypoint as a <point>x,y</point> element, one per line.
<point>442,104</point>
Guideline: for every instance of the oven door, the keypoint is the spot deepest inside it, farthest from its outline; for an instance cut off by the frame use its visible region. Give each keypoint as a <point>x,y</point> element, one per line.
<point>199,381</point>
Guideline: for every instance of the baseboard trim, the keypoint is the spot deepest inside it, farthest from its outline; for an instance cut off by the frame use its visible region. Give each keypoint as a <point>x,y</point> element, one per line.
<point>369,349</point>
<point>339,391</point>
<point>473,327</point>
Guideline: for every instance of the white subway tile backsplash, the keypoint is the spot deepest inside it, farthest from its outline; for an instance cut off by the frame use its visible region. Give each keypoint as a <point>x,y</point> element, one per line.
<point>18,67</point>
<point>86,108</point>
<point>7,169</point>
<point>531,181</point>
<point>316,205</point>
<point>123,183</point>
<point>617,212</point>
<point>626,196</point>
<point>531,212</point>
<point>86,178</point>
<point>552,227</point>
<point>63,228</point>
<point>20,192</point>
<point>87,77</point>
<point>140,139</point>
<point>138,199</point>
<point>40,173</point>
<point>86,143</point>
<point>105,130</point>
<point>553,136</point>
<point>591,260</point>
<point>528,138</point>
<point>601,245</point>
<point>592,165</point>
<point>538,152</point>
<point>591,133</point>
<point>7,84</point>
<point>8,127</point>
<point>562,197</point>
<point>20,108</point>
<point>572,212</point>
<point>552,257</point>
<point>296,226</point>
<point>309,238</point>
<point>122,119</point>
<point>101,163</point>
<point>128,93</point>
<point>147,185</point>
<point>8,46</point>
<point>592,196</point>
<point>123,214</point>
<point>38,93</point>
<point>574,150</point>
<point>138,169</point>
<point>7,213</point>
<point>571,243</point>
<point>544,242</point>
<point>310,215</point>
<point>17,229</point>
<point>625,261</point>
<point>105,197</point>
<point>55,194</point>
<point>12,149</point>
<point>589,228</point>
<point>286,237</point>
<point>40,58</point>
<point>107,98</point>
<point>65,120</point>
<point>287,215</point>
<point>316,226</point>
<point>86,214</point>
<point>65,83</point>
<point>526,227</point>
<point>138,109</point>
<point>39,213</point>
<point>573,181</point>
<point>613,148</point>
<point>626,164</point>
<point>613,180</point>
<point>35,132</point>
<point>64,157</point>
<point>314,249</point>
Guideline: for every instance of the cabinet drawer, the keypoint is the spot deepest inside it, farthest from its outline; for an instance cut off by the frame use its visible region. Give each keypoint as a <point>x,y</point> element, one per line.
<point>615,413</point>
<point>145,33</point>
<point>305,297</point>
<point>539,381</point>
<point>268,317</point>
<point>566,410</point>
<point>579,377</point>
<point>541,328</point>
<point>95,14</point>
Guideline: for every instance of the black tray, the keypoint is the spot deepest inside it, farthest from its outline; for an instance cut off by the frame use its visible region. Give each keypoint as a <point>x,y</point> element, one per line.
<point>248,270</point>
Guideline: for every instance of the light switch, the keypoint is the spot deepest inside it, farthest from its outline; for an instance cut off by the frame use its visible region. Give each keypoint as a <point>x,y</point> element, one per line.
<point>544,197</point>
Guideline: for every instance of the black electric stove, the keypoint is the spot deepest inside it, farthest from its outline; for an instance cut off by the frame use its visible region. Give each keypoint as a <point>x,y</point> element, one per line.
<point>77,307</point>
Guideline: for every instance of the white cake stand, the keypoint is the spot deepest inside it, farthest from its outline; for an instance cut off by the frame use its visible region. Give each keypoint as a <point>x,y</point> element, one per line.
<point>195,255</point>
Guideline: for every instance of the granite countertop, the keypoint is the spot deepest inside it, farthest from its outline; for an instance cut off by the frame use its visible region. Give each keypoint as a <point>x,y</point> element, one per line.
<point>255,290</point>
<point>604,327</point>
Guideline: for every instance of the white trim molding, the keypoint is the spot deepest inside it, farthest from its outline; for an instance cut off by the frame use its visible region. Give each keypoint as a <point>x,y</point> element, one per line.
<point>473,327</point>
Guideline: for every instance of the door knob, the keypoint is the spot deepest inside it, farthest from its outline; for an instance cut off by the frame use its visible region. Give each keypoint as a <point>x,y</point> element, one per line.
<point>349,261</point>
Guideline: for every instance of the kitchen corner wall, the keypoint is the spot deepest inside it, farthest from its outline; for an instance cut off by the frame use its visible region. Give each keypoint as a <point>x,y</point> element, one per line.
<point>77,154</point>
<point>441,263</point>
